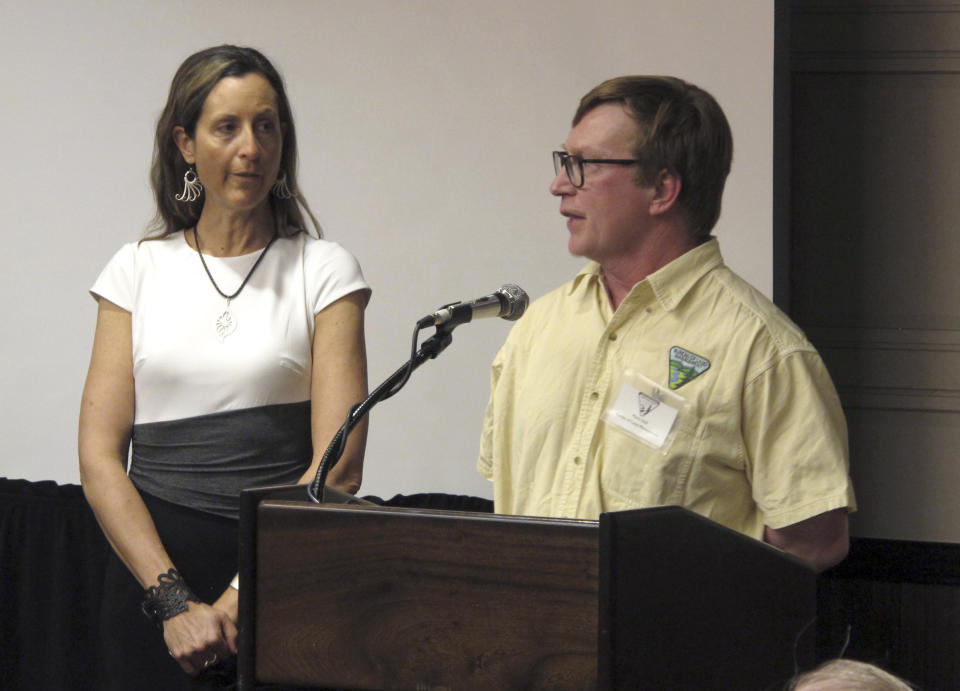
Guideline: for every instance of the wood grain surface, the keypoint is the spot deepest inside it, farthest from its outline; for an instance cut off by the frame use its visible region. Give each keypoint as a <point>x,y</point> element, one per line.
<point>415,599</point>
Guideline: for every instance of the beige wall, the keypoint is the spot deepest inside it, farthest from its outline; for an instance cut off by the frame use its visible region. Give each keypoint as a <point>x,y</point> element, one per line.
<point>426,129</point>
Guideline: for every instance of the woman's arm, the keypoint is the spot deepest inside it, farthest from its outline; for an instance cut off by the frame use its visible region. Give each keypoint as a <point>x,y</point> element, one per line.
<point>339,381</point>
<point>106,420</point>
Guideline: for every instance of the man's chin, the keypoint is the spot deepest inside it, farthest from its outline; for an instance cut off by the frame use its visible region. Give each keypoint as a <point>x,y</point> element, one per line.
<point>575,248</point>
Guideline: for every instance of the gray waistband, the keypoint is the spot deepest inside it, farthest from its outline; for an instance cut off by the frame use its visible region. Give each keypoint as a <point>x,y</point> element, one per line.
<point>204,462</point>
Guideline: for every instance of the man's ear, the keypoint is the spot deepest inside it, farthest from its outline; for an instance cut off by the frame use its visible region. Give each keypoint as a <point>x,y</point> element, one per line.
<point>185,144</point>
<point>666,191</point>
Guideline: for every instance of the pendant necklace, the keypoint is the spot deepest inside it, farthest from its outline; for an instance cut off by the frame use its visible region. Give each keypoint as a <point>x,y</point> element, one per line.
<point>226,322</point>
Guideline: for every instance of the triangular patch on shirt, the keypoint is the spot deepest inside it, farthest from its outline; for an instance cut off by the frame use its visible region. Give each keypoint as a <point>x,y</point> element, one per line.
<point>685,366</point>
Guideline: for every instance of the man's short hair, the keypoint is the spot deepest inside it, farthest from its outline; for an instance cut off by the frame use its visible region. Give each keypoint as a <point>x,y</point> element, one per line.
<point>680,128</point>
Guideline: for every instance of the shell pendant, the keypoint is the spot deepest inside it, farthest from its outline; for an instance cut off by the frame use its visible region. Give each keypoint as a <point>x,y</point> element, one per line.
<point>226,324</point>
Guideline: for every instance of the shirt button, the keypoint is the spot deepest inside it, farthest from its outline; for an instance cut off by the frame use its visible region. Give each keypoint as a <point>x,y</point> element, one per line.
<point>613,337</point>
<point>577,460</point>
<point>595,395</point>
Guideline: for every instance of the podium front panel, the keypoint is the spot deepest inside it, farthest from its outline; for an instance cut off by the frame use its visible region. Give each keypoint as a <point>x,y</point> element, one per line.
<point>377,598</point>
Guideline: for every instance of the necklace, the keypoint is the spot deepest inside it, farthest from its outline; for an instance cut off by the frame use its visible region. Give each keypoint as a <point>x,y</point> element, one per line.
<point>226,322</point>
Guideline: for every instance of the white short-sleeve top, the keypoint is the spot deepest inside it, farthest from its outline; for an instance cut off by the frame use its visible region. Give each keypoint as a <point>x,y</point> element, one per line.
<point>182,366</point>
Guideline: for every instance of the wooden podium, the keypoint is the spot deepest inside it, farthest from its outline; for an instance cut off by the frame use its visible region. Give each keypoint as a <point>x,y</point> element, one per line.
<point>362,597</point>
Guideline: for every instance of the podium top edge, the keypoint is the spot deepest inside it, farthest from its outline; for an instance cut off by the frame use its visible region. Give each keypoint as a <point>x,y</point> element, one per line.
<point>294,505</point>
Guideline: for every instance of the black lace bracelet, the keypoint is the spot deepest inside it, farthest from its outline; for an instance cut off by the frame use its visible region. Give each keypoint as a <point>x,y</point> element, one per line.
<point>168,598</point>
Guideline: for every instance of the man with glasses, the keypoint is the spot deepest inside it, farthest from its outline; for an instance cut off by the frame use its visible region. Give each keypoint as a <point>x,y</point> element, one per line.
<point>657,376</point>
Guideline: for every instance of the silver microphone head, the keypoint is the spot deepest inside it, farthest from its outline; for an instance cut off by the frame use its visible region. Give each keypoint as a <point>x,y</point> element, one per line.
<point>514,301</point>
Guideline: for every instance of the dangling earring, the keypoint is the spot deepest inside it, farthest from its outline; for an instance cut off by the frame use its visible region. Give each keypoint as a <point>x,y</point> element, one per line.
<point>192,187</point>
<point>280,188</point>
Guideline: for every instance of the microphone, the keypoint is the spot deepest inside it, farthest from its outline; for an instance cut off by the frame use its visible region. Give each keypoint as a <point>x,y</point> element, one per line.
<point>509,302</point>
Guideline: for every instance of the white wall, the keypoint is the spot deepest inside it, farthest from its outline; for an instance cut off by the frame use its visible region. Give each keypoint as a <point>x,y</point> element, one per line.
<point>425,132</point>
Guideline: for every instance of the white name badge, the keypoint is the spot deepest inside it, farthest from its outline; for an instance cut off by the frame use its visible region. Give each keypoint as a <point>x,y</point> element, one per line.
<point>644,409</point>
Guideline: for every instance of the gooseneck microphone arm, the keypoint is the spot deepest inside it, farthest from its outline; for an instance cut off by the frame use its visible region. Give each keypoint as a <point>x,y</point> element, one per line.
<point>509,303</point>
<point>430,349</point>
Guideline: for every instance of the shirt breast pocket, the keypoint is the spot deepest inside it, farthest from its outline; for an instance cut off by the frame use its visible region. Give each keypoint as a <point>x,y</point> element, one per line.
<point>634,474</point>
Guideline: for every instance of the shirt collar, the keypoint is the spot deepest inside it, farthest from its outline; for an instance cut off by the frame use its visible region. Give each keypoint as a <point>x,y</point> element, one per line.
<point>670,283</point>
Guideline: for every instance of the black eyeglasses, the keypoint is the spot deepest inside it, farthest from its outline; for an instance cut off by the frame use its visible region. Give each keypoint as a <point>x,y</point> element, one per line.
<point>574,165</point>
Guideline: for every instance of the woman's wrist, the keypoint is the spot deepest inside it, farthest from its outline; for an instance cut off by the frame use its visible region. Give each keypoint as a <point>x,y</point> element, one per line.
<point>168,598</point>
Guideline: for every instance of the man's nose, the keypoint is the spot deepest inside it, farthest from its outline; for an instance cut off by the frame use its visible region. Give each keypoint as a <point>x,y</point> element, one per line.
<point>560,184</point>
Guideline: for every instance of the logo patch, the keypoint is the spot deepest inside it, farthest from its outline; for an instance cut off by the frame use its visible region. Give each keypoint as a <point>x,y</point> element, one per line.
<point>685,367</point>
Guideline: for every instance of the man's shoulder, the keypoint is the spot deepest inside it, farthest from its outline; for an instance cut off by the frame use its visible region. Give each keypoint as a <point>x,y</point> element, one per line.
<point>748,305</point>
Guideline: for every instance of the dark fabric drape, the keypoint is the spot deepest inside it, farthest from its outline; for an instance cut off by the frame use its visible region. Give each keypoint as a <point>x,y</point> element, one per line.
<point>52,559</point>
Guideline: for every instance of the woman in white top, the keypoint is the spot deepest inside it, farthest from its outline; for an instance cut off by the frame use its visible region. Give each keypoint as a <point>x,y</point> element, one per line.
<point>229,347</point>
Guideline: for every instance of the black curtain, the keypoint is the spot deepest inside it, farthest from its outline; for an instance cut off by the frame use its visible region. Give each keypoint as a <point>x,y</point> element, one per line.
<point>52,556</point>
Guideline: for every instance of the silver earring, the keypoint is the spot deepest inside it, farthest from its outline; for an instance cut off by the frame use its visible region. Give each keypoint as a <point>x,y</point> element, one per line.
<point>280,188</point>
<point>192,187</point>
